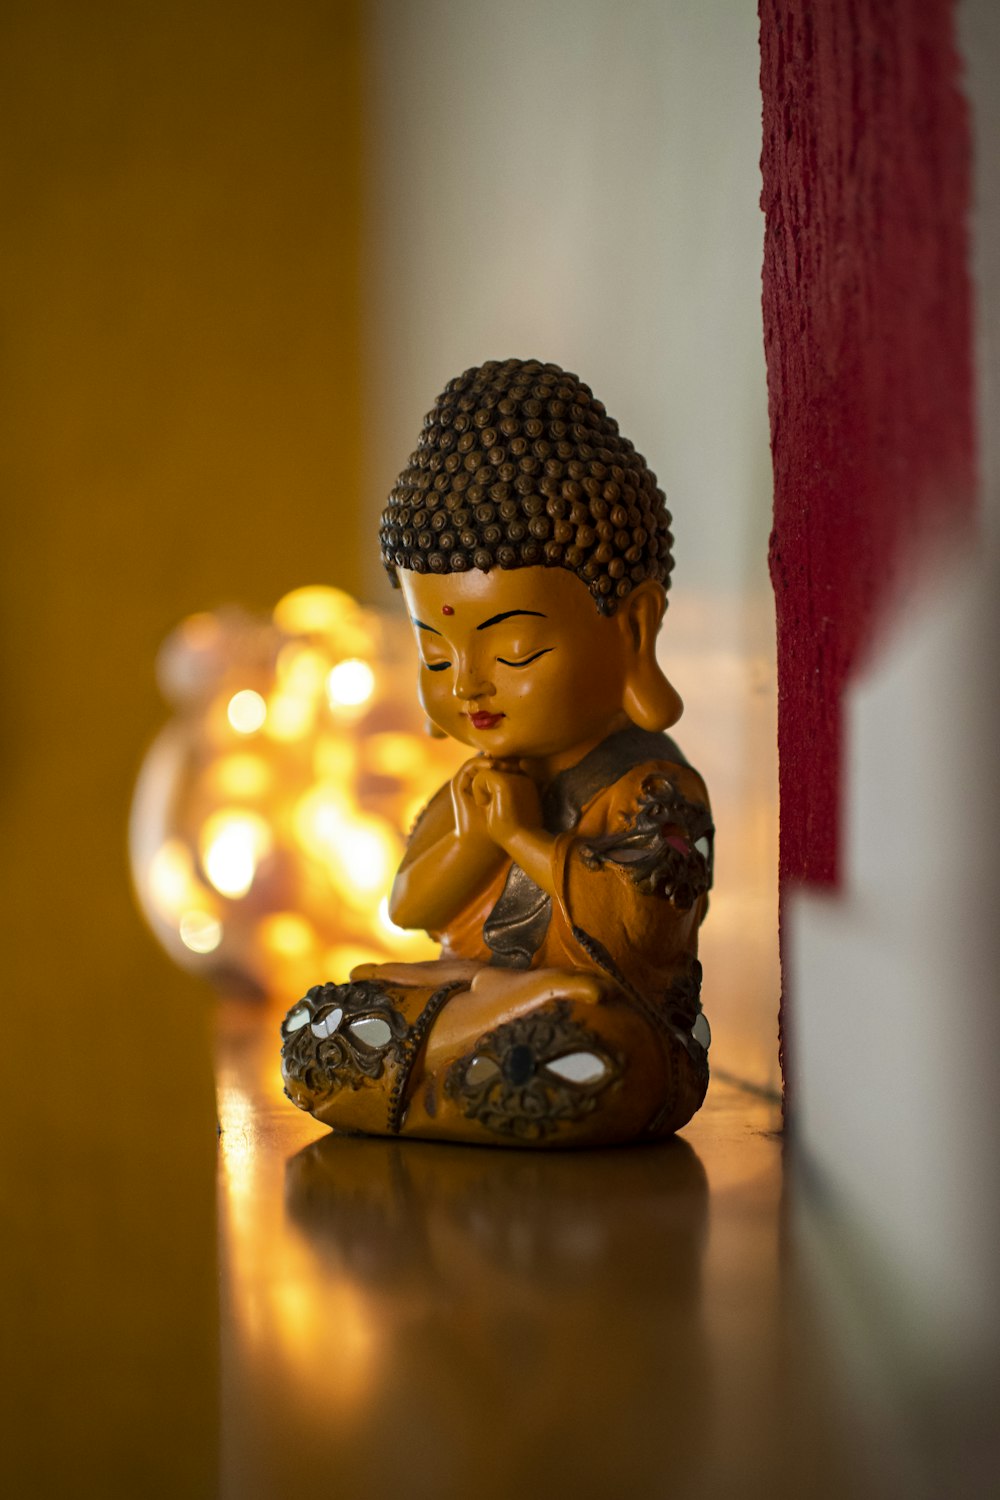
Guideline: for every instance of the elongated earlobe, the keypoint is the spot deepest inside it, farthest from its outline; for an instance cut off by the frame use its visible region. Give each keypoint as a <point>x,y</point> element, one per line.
<point>649,699</point>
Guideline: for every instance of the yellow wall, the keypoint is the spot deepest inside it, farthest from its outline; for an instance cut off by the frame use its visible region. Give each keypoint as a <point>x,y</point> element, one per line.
<point>182,190</point>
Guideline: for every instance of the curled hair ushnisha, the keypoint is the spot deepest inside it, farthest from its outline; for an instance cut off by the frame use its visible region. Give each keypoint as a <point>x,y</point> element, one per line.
<point>518,465</point>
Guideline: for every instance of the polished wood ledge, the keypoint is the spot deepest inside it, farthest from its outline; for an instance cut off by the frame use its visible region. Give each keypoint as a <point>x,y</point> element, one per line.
<point>427,1320</point>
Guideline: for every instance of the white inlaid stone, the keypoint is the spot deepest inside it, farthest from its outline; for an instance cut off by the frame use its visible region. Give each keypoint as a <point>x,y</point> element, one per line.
<point>578,1067</point>
<point>481,1070</point>
<point>371,1030</point>
<point>328,1024</point>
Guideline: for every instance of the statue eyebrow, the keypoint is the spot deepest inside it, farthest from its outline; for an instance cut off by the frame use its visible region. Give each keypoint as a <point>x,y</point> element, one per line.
<point>421,626</point>
<point>495,619</point>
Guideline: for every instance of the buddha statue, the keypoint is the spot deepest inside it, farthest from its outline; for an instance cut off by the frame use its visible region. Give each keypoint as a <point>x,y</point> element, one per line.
<point>565,868</point>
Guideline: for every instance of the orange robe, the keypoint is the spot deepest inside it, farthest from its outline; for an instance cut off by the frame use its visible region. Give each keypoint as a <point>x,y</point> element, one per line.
<point>607,1044</point>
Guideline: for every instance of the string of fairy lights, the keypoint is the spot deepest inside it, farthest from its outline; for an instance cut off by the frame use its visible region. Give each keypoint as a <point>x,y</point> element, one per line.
<point>270,813</point>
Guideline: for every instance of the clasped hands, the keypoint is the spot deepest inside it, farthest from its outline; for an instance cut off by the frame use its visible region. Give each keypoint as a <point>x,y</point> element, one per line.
<point>495,800</point>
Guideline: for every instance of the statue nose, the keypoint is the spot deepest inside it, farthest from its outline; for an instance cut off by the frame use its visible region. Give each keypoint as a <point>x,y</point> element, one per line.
<point>472,682</point>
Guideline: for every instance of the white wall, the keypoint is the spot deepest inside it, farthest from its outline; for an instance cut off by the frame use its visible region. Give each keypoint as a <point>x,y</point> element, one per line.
<point>897,1028</point>
<point>897,1000</point>
<point>578,180</point>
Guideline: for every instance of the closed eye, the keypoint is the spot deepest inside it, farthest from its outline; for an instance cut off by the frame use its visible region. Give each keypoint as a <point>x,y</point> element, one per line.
<point>437,666</point>
<point>527,660</point>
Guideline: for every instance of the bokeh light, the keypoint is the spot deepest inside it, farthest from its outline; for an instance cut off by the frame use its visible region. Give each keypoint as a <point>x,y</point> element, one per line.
<point>271,812</point>
<point>350,683</point>
<point>246,711</point>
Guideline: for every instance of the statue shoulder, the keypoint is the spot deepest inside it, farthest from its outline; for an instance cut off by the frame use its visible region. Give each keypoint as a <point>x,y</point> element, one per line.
<point>634,787</point>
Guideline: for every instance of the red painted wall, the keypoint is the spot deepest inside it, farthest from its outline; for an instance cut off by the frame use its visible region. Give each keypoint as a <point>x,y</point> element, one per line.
<point>867,328</point>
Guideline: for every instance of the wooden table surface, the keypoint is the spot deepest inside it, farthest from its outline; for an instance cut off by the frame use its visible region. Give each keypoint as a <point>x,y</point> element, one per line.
<point>273,1311</point>
<point>402,1318</point>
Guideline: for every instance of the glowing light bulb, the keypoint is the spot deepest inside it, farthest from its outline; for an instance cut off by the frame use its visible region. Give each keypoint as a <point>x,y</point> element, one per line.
<point>171,878</point>
<point>318,820</point>
<point>395,755</point>
<point>369,859</point>
<point>364,853</point>
<point>241,776</point>
<point>302,669</point>
<point>200,931</point>
<point>246,711</point>
<point>335,760</point>
<point>350,683</point>
<point>232,846</point>
<point>287,933</point>
<point>289,796</point>
<point>290,716</point>
<point>314,610</point>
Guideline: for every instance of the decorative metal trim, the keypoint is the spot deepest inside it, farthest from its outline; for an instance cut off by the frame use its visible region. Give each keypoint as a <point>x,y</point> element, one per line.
<point>669,1018</point>
<point>682,1001</point>
<point>659,848</point>
<point>569,792</point>
<point>324,1064</point>
<point>399,1096</point>
<point>504,1082</point>
<point>515,929</point>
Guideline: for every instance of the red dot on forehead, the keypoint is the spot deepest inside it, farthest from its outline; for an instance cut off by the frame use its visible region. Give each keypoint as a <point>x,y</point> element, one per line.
<point>446,609</point>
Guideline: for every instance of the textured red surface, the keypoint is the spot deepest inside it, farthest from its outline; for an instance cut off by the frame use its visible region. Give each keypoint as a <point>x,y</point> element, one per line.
<point>867,333</point>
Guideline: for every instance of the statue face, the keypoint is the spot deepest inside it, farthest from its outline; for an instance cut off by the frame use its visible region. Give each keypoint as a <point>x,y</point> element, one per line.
<point>517,662</point>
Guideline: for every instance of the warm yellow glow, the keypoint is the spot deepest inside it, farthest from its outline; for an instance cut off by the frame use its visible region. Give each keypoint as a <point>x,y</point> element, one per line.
<point>171,878</point>
<point>200,632</point>
<point>318,818</point>
<point>343,957</point>
<point>335,760</point>
<point>394,755</point>
<point>290,716</point>
<point>242,776</point>
<point>246,711</point>
<point>386,922</point>
<point>314,611</point>
<point>366,854</point>
<point>407,942</point>
<point>350,683</point>
<point>372,851</point>
<point>296,1306</point>
<point>238,1120</point>
<point>302,669</point>
<point>200,931</point>
<point>412,811</point>
<point>233,842</point>
<point>317,765</point>
<point>287,934</point>
<point>360,852</point>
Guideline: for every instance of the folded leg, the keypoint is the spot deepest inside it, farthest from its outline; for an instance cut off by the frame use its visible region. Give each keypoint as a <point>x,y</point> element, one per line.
<point>544,1057</point>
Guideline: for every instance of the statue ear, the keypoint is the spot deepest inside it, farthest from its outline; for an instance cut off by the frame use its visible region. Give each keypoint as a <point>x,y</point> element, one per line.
<point>649,699</point>
<point>431,729</point>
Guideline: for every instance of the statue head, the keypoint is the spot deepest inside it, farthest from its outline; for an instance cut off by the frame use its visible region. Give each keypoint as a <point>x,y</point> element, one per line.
<point>519,466</point>
<point>533,546</point>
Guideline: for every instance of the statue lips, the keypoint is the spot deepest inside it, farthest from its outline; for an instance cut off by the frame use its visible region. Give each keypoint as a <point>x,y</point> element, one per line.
<point>485,720</point>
